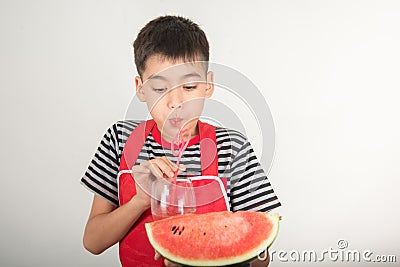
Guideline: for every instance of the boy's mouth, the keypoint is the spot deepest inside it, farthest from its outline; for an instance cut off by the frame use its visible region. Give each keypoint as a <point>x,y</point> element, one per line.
<point>176,122</point>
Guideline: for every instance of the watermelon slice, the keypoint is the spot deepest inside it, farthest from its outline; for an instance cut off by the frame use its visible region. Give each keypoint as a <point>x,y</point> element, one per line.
<point>213,239</point>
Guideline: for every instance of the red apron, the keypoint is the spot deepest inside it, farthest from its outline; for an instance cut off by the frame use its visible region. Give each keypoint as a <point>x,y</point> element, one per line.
<point>135,249</point>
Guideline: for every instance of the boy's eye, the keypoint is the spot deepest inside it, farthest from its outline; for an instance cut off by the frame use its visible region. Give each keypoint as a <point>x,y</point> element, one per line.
<point>160,90</point>
<point>190,87</point>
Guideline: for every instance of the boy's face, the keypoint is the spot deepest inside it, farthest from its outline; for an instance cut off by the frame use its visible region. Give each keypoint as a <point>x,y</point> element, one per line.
<point>174,92</point>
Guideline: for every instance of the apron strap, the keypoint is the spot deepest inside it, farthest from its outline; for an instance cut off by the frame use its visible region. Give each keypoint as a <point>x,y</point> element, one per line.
<point>135,142</point>
<point>208,149</point>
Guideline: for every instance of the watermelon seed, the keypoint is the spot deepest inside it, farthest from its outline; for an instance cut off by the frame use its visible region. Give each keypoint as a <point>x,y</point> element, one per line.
<point>173,228</point>
<point>204,233</point>
<point>176,230</point>
<point>183,228</point>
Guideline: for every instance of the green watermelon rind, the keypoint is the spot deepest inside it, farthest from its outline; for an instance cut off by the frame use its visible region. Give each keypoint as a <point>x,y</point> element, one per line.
<point>233,261</point>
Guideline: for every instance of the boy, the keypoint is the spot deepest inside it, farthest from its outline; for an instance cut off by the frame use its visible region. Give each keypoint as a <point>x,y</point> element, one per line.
<point>171,55</point>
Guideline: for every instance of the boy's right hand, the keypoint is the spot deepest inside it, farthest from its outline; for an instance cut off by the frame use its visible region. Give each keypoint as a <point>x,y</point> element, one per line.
<point>147,172</point>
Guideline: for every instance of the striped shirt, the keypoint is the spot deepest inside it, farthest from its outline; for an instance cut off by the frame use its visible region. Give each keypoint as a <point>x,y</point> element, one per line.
<point>248,186</point>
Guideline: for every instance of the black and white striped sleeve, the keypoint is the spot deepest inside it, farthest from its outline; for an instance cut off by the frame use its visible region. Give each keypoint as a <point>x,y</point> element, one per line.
<point>250,188</point>
<point>101,175</point>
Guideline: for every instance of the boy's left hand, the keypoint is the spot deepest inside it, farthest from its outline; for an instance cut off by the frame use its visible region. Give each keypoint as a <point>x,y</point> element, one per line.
<point>167,263</point>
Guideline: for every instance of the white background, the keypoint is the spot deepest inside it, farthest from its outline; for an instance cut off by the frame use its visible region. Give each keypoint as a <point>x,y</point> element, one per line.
<point>328,69</point>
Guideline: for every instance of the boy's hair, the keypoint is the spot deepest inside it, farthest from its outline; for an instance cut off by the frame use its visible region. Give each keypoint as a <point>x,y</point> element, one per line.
<point>172,37</point>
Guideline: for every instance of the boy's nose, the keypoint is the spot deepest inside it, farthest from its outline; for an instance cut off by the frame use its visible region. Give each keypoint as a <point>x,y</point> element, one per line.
<point>175,98</point>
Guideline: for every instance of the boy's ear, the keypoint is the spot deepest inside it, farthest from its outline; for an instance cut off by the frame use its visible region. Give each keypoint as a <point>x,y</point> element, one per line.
<point>139,89</point>
<point>210,84</point>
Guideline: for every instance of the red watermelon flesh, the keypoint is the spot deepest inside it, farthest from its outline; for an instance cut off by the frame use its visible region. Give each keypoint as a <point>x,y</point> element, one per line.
<point>213,239</point>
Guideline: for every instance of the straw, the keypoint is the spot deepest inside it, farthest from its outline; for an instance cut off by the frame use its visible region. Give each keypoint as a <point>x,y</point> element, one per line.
<point>182,145</point>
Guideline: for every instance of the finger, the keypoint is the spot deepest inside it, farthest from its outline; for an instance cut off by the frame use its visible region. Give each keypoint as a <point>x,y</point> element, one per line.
<point>181,168</point>
<point>170,264</point>
<point>140,169</point>
<point>157,256</point>
<point>153,168</point>
<point>173,166</point>
<point>164,166</point>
